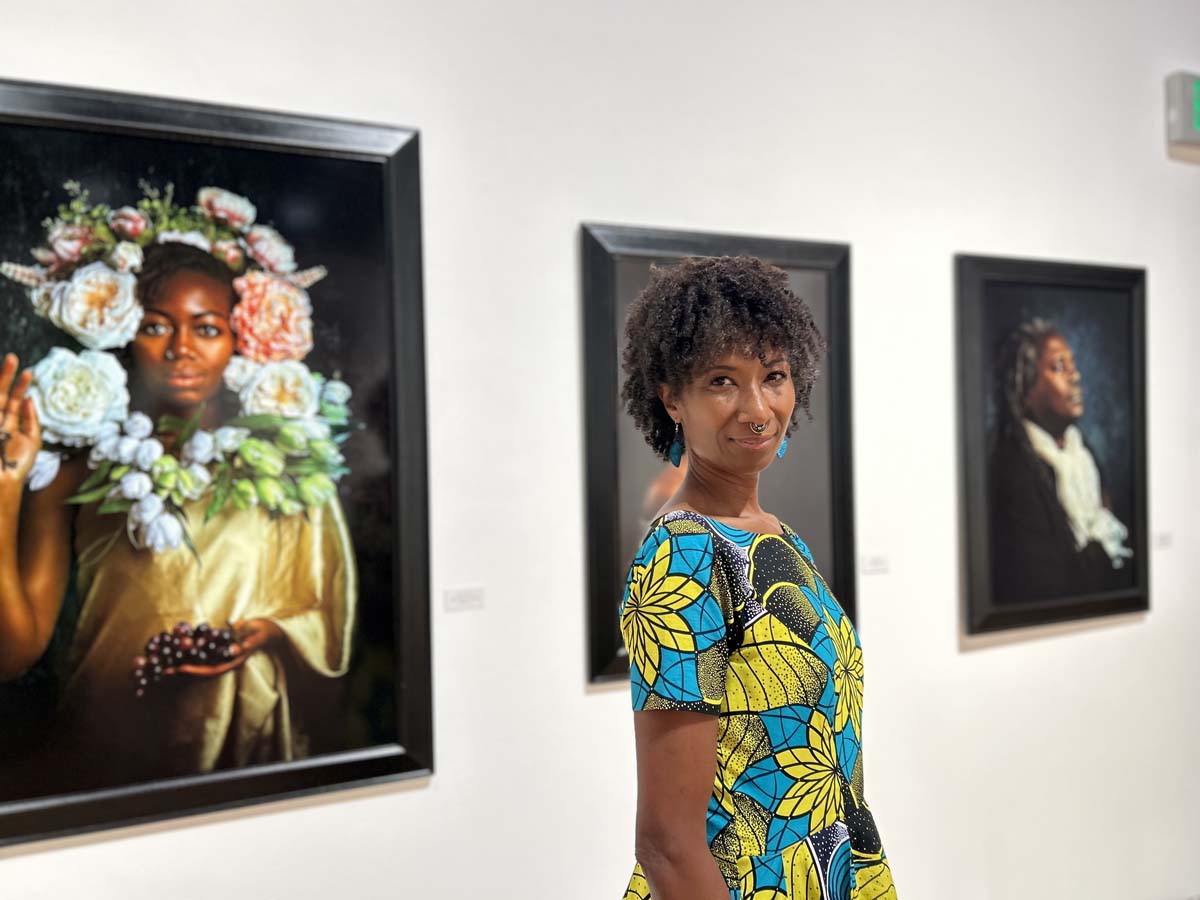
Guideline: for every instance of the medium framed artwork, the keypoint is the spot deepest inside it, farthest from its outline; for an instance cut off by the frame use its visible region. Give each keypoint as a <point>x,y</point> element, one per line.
<point>811,488</point>
<point>213,546</point>
<point>1053,421</point>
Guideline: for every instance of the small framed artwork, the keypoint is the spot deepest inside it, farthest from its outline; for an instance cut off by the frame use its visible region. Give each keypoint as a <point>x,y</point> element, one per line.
<point>1053,421</point>
<point>213,552</point>
<point>811,488</point>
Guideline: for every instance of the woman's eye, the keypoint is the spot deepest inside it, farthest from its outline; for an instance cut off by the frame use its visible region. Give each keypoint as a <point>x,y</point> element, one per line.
<point>777,377</point>
<point>722,381</point>
<point>208,331</point>
<point>154,329</point>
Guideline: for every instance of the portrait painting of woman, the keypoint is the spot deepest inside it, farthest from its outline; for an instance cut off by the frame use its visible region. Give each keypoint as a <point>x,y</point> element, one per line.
<point>213,492</point>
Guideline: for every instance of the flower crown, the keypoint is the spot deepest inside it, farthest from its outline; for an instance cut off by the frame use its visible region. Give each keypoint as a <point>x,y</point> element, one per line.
<point>281,452</point>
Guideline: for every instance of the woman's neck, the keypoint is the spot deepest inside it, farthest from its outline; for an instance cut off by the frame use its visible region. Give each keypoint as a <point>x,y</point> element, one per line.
<point>718,493</point>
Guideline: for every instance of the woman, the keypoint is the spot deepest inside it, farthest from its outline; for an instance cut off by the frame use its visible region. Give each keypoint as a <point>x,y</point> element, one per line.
<point>1052,532</point>
<point>746,674</point>
<point>286,585</point>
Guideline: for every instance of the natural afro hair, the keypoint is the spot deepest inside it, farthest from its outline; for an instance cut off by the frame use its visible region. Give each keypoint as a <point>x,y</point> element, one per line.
<point>1016,369</point>
<point>162,261</point>
<point>702,309</point>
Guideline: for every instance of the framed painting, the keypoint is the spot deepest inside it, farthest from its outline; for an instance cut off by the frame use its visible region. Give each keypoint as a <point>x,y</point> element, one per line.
<point>811,488</point>
<point>1052,411</point>
<point>213,546</point>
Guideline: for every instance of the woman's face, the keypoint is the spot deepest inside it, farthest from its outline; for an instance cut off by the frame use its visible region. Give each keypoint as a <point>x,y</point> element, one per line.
<point>1056,399</point>
<point>718,407</point>
<point>185,341</point>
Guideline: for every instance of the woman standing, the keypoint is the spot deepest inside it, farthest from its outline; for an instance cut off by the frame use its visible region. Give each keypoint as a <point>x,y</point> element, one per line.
<point>746,674</point>
<point>181,547</point>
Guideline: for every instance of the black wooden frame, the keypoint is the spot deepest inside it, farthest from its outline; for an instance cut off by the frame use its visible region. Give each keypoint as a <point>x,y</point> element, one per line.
<point>396,151</point>
<point>601,248</point>
<point>973,275</point>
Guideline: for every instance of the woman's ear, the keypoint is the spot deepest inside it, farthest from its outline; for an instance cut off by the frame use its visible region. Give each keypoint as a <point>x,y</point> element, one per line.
<point>669,402</point>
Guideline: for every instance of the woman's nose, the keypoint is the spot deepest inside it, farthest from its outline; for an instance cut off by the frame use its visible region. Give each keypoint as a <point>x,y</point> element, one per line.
<point>754,405</point>
<point>181,345</point>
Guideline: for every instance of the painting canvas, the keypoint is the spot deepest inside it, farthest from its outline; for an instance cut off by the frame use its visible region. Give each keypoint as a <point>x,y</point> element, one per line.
<point>213,558</point>
<point>1053,420</point>
<point>810,488</point>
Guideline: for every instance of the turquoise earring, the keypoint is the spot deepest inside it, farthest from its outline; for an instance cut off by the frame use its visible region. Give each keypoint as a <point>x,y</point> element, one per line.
<point>676,451</point>
<point>782,448</point>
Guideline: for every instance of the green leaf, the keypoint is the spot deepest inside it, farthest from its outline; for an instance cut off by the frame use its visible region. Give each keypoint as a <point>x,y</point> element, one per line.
<point>91,496</point>
<point>187,539</point>
<point>170,423</point>
<point>304,467</point>
<point>192,426</point>
<point>261,422</point>
<point>118,473</point>
<point>97,477</point>
<point>115,506</point>
<point>224,485</point>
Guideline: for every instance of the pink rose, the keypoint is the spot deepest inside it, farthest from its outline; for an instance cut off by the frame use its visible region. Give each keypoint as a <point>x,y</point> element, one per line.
<point>272,318</point>
<point>225,206</point>
<point>270,250</point>
<point>128,222</point>
<point>70,241</point>
<point>230,253</point>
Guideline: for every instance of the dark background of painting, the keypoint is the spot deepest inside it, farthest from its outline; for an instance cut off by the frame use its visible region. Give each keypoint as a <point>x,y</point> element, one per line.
<point>331,211</point>
<point>1096,323</point>
<point>798,488</point>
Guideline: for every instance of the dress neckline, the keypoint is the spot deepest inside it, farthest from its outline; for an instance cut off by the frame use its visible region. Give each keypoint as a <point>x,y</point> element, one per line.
<point>782,533</point>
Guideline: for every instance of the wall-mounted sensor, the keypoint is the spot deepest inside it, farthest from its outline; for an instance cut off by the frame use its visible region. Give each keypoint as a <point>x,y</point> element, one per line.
<point>1183,117</point>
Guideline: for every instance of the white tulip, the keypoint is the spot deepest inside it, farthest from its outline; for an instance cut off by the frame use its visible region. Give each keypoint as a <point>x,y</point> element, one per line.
<point>148,453</point>
<point>138,425</point>
<point>200,448</point>
<point>127,448</point>
<point>229,438</point>
<point>162,533</point>
<point>136,485</point>
<point>146,509</point>
<point>45,469</point>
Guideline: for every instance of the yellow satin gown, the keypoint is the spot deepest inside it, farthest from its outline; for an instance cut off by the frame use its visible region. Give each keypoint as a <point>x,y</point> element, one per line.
<point>298,572</point>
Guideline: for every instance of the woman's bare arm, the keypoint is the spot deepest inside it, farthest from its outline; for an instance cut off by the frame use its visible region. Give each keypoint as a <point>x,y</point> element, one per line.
<point>35,531</point>
<point>676,763</point>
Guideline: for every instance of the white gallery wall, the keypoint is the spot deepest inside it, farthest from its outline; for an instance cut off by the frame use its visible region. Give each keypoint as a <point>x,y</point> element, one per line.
<point>1043,764</point>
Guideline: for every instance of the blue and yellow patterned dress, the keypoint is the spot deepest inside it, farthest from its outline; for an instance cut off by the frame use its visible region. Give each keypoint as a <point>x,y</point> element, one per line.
<point>740,625</point>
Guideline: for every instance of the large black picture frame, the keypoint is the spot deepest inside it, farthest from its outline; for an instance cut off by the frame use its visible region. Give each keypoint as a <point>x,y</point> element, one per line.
<point>1106,304</point>
<point>395,153</point>
<point>603,249</point>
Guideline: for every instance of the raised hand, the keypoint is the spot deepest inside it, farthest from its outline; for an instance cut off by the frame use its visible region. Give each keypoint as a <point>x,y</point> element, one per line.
<point>20,433</point>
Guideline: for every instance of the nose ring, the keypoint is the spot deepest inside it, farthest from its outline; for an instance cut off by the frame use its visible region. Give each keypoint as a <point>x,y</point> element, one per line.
<point>758,429</point>
<point>170,354</point>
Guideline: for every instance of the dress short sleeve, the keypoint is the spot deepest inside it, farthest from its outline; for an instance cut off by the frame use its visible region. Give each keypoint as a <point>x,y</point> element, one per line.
<point>674,619</point>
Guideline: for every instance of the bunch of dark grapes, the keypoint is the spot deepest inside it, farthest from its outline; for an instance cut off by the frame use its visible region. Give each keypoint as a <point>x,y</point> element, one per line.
<point>183,645</point>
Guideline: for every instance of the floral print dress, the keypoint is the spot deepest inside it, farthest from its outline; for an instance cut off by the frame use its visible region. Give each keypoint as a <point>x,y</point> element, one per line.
<point>740,625</point>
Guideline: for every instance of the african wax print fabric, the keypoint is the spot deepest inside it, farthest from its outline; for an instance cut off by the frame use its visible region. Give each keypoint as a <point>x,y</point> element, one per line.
<point>740,625</point>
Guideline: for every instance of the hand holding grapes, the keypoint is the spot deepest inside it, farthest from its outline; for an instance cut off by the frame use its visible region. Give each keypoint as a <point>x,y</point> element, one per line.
<point>252,635</point>
<point>202,650</point>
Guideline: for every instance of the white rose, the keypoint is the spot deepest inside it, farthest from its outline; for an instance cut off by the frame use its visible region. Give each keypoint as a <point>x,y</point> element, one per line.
<point>107,430</point>
<point>126,257</point>
<point>270,250</point>
<point>162,533</point>
<point>238,371</point>
<point>45,469</point>
<point>105,448</point>
<point>76,396</point>
<point>191,238</point>
<point>138,425</point>
<point>229,438</point>
<point>336,392</point>
<point>225,206</point>
<point>148,453</point>
<point>146,509</point>
<point>127,448</point>
<point>136,485</point>
<point>200,448</point>
<point>281,389</point>
<point>97,307</point>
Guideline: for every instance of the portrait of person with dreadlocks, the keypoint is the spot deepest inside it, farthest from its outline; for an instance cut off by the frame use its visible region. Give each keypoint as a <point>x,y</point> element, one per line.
<point>1053,530</point>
